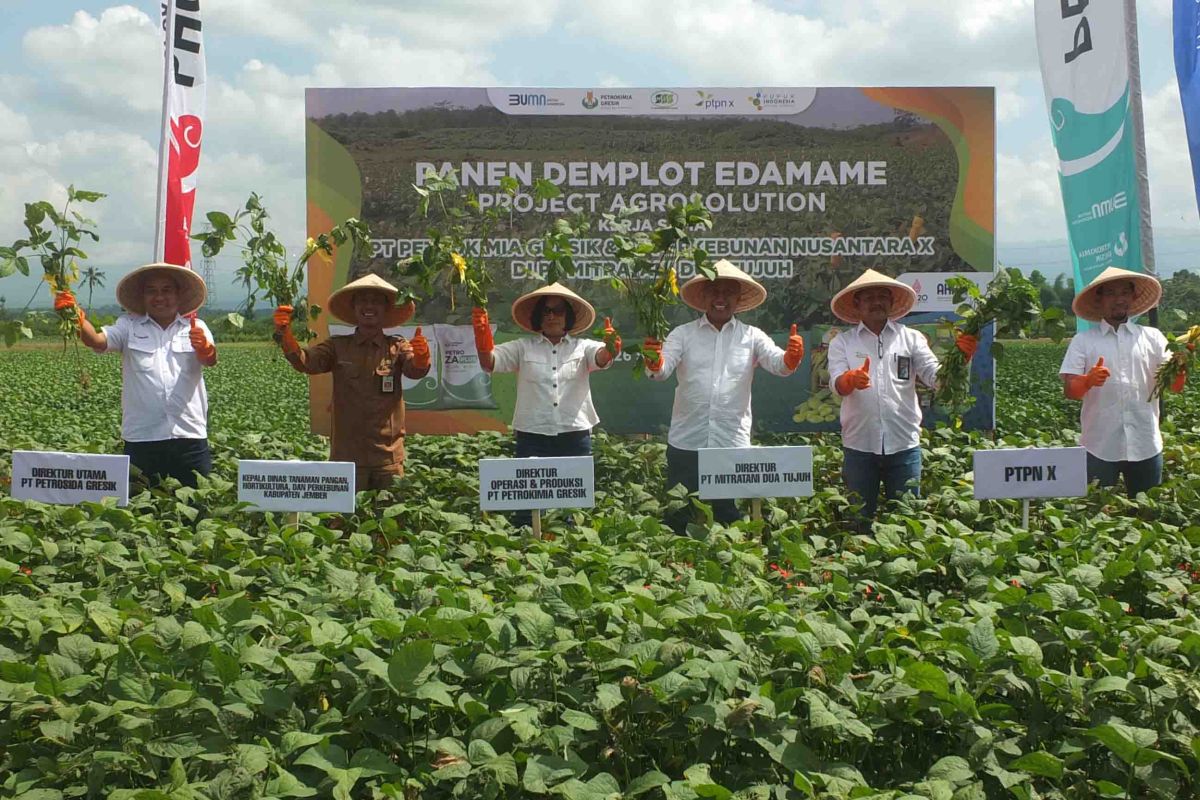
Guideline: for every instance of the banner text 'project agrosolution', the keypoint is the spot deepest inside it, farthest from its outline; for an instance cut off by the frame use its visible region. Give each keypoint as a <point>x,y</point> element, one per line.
<point>808,187</point>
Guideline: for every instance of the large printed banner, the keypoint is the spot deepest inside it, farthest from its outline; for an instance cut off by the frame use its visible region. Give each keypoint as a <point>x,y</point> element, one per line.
<point>1187,70</point>
<point>1084,51</point>
<point>808,187</point>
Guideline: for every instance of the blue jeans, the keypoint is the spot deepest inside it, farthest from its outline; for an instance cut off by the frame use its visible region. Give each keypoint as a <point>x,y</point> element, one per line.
<point>1140,476</point>
<point>899,472</point>
<point>540,445</point>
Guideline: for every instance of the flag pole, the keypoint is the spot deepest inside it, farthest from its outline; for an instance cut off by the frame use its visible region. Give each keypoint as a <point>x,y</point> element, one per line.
<point>164,136</point>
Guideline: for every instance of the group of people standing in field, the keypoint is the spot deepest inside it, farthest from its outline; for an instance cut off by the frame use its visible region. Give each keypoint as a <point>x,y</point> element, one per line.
<point>875,364</point>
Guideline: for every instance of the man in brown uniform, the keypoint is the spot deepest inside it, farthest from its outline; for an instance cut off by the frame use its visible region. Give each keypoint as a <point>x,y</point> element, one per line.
<point>368,403</point>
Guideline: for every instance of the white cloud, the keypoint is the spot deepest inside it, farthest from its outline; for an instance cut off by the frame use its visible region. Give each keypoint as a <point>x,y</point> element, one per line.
<point>14,126</point>
<point>1172,190</point>
<point>864,43</point>
<point>451,26</point>
<point>104,59</point>
<point>1028,197</point>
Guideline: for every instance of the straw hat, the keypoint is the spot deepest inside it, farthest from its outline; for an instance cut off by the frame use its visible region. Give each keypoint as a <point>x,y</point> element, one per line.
<point>131,292</point>
<point>341,302</point>
<point>1147,291</point>
<point>522,308</point>
<point>753,294</point>
<point>903,297</point>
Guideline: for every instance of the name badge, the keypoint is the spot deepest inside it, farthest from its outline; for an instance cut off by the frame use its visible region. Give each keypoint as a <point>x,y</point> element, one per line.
<point>903,367</point>
<point>387,384</point>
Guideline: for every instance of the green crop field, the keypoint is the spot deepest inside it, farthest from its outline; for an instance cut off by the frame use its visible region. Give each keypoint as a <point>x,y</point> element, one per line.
<point>184,648</point>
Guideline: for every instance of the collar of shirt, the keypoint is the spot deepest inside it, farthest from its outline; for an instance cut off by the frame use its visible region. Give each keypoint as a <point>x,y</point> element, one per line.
<point>565,340</point>
<point>145,319</point>
<point>705,322</point>
<point>1106,328</point>
<point>362,337</point>
<point>888,326</point>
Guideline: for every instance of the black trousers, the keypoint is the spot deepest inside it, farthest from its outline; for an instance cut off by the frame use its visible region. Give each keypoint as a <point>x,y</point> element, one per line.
<point>171,458</point>
<point>683,466</point>
<point>540,445</point>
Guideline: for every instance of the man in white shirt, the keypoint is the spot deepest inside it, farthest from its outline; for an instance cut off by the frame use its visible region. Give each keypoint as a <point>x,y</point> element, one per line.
<point>164,404</point>
<point>553,414</point>
<point>1111,368</point>
<point>713,359</point>
<point>877,364</point>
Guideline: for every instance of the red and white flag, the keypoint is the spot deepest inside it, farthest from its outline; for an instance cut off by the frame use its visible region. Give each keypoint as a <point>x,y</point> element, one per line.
<point>182,130</point>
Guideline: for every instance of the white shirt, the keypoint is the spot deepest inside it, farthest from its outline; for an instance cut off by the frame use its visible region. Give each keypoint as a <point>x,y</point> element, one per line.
<point>1119,422</point>
<point>162,386</point>
<point>715,369</point>
<point>885,417</point>
<point>553,392</point>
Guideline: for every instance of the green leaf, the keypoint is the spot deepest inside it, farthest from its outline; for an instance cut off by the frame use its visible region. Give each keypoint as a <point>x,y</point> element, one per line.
<point>406,666</point>
<point>951,768</point>
<point>1123,740</point>
<point>1039,763</point>
<point>580,720</point>
<point>982,639</point>
<point>645,782</point>
<point>925,677</point>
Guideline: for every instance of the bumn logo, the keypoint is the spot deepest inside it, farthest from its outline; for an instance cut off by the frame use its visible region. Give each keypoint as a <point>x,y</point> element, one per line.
<point>516,99</point>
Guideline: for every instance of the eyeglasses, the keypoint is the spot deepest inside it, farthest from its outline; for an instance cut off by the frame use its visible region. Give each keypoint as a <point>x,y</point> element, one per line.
<point>555,310</point>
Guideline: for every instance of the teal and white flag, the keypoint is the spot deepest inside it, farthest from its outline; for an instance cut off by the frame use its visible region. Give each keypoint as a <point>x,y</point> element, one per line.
<point>1088,53</point>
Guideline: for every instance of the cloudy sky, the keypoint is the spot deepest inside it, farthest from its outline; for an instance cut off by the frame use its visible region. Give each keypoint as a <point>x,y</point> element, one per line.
<point>80,89</point>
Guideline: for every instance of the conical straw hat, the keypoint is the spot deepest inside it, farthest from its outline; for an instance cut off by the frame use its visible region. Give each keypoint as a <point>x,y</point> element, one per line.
<point>192,292</point>
<point>341,302</point>
<point>903,297</point>
<point>522,307</point>
<point>1147,291</point>
<point>753,294</point>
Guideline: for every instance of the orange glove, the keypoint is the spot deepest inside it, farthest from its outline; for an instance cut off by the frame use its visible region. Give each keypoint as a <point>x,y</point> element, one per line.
<point>795,349</point>
<point>283,317</point>
<point>484,343</point>
<point>967,344</point>
<point>611,338</point>
<point>652,354</point>
<point>1178,383</point>
<point>420,350</point>
<point>1079,385</point>
<point>205,350</point>
<point>854,379</point>
<point>283,330</point>
<point>64,300</point>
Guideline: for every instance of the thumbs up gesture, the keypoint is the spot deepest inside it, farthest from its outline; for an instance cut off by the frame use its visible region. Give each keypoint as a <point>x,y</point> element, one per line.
<point>420,350</point>
<point>205,350</point>
<point>855,379</point>
<point>795,349</point>
<point>1097,375</point>
<point>612,339</point>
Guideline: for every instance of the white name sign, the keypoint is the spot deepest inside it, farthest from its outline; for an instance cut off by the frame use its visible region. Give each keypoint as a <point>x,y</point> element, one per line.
<point>728,473</point>
<point>69,478</point>
<point>297,485</point>
<point>525,484</point>
<point>1030,472</point>
<point>932,292</point>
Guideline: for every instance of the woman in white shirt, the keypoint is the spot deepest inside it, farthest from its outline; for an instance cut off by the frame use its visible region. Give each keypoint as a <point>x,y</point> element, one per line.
<point>554,414</point>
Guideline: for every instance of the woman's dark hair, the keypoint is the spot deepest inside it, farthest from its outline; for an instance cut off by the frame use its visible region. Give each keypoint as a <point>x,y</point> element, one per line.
<point>539,310</point>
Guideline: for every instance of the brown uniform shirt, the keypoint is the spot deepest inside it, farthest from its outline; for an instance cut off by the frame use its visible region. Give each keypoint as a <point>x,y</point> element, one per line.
<point>368,422</point>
